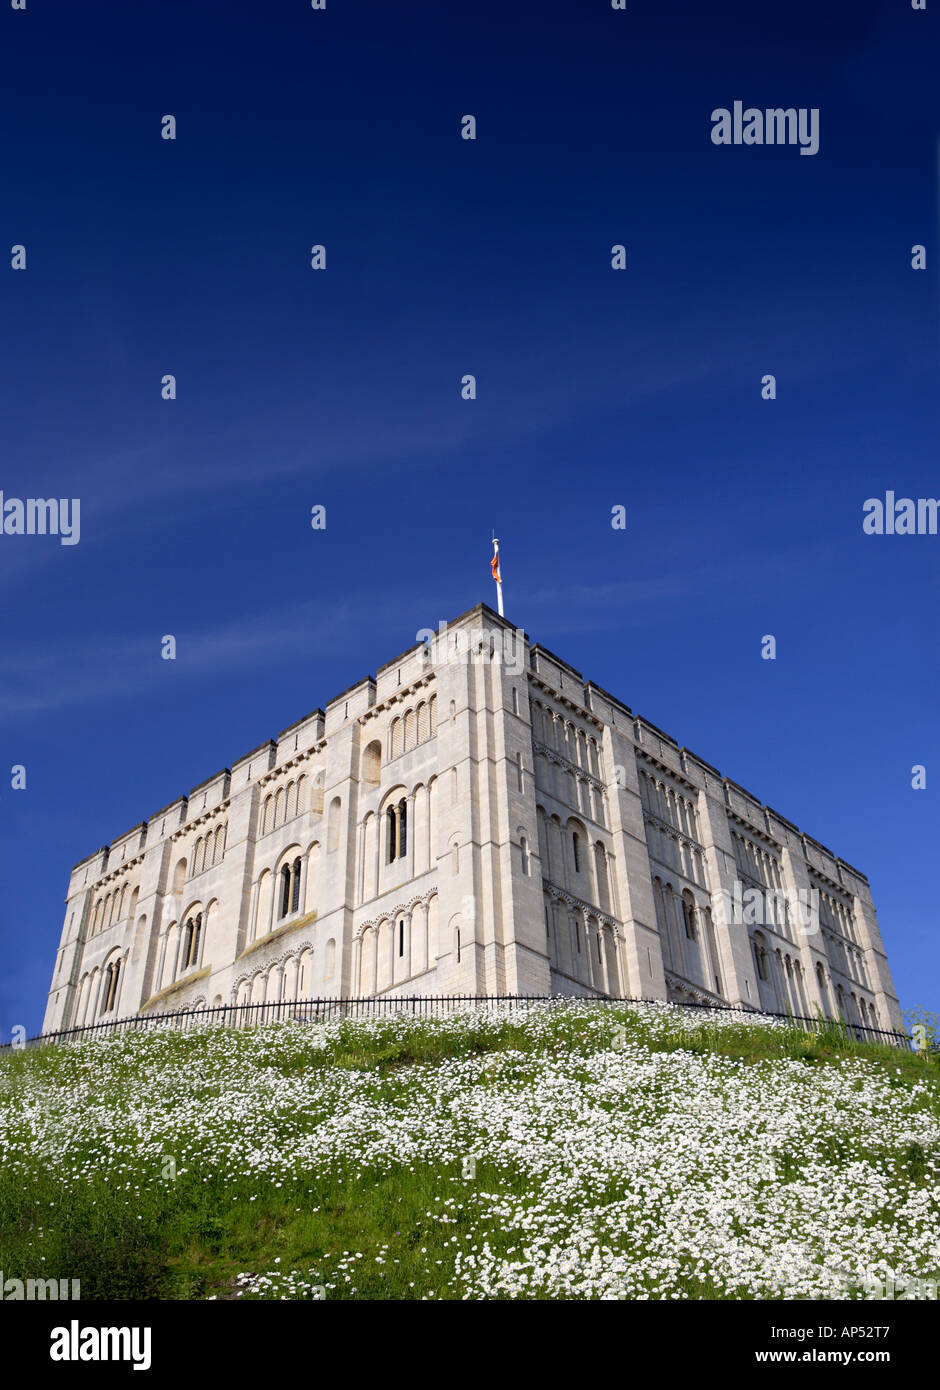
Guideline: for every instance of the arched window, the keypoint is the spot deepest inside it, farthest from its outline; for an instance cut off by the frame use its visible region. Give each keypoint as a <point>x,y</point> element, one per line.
<point>372,762</point>
<point>592,754</point>
<point>109,989</point>
<point>332,833</point>
<point>295,885</point>
<point>396,738</point>
<point>396,824</point>
<point>688,916</point>
<point>576,849</point>
<point>603,882</point>
<point>179,877</point>
<point>266,818</point>
<point>191,933</point>
<point>432,714</point>
<point>284,900</point>
<point>409,723</point>
<point>761,957</point>
<point>401,937</point>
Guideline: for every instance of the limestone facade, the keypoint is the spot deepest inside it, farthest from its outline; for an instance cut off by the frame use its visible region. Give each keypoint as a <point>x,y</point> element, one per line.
<point>476,819</point>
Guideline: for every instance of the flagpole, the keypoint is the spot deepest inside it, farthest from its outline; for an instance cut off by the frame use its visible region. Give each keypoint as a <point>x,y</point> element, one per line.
<point>498,577</point>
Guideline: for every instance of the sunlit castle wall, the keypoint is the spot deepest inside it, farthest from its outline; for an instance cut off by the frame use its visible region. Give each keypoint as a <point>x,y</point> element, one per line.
<point>476,818</point>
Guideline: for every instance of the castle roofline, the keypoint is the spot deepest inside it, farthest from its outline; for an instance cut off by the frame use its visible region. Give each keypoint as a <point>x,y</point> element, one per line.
<point>297,723</point>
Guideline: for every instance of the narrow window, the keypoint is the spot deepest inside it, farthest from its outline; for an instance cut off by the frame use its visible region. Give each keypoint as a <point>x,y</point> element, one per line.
<point>577,855</point>
<point>515,700</point>
<point>401,937</point>
<point>295,887</point>
<point>197,928</point>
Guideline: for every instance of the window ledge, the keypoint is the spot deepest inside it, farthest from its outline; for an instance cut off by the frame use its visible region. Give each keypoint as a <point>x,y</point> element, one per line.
<point>277,934</point>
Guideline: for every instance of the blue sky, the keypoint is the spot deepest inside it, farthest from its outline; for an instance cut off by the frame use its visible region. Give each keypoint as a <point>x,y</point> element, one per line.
<point>341,388</point>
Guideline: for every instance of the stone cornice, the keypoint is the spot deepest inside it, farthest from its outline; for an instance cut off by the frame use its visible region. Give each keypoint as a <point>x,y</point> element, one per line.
<point>200,820</point>
<point>563,895</point>
<point>401,693</point>
<point>554,756</point>
<point>672,831</point>
<point>177,985</point>
<point>422,899</point>
<point>566,700</point>
<point>275,772</point>
<point>644,756</point>
<point>276,935</point>
<point>696,992</point>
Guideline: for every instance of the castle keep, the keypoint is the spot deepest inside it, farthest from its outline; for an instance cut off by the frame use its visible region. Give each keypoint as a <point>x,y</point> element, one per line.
<point>476,819</point>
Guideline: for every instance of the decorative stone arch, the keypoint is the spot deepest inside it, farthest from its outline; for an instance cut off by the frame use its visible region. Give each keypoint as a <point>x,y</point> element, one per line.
<point>392,826</point>
<point>192,938</point>
<point>288,873</point>
<point>333,825</point>
<point>371,767</point>
<point>525,853</point>
<point>111,971</point>
<point>602,876</point>
<point>579,850</point>
<point>457,936</point>
<point>690,915</point>
<point>302,962</point>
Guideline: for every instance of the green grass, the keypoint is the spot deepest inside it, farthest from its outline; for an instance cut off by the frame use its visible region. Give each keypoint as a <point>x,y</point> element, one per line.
<point>138,1234</point>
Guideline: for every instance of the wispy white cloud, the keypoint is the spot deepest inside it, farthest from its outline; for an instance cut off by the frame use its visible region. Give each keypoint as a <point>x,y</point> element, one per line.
<point>86,670</point>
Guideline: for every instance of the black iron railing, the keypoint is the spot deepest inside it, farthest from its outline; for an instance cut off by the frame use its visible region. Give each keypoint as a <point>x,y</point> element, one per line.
<point>431,1005</point>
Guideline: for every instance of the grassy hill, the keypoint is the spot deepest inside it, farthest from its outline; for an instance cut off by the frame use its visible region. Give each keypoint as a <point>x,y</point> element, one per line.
<point>573,1151</point>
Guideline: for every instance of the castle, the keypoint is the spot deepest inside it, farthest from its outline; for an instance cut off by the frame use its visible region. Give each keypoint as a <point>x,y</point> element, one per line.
<point>475,819</point>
